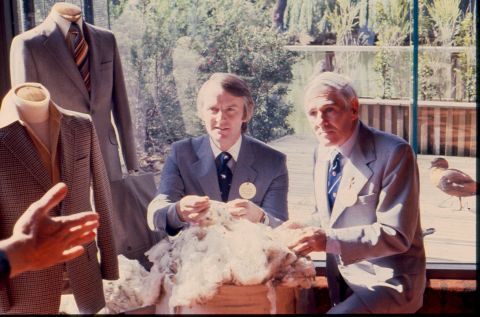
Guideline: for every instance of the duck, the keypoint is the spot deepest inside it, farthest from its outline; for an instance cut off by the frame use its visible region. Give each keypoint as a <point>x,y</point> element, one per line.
<point>451,181</point>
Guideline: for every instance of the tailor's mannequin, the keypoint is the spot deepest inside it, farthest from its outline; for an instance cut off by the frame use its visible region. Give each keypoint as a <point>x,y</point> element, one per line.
<point>67,11</point>
<point>32,102</point>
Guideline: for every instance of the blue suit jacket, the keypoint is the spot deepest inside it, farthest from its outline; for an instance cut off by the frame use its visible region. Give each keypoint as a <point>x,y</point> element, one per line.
<point>190,170</point>
<point>376,222</point>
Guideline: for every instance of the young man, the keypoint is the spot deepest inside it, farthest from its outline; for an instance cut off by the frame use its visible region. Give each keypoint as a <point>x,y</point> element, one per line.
<point>223,165</point>
<point>366,188</point>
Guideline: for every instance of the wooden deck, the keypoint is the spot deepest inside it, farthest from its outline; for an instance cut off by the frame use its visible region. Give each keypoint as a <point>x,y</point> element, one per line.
<point>454,239</point>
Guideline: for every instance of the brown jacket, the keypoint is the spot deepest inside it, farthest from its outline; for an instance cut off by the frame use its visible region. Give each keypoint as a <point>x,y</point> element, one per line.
<point>24,180</point>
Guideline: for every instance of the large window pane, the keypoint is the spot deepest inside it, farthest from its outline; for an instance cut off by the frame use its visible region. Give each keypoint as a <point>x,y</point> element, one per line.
<point>169,47</point>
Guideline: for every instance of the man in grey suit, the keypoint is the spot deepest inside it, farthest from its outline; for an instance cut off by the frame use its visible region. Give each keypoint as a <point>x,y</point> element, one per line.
<point>366,190</point>
<point>43,55</point>
<point>224,164</point>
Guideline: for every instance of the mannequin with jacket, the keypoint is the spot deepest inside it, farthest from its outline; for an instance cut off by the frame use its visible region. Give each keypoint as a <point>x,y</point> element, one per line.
<point>45,55</point>
<point>42,144</point>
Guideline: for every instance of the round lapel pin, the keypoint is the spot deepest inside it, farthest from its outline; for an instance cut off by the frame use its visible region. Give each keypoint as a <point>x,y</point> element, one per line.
<point>247,190</point>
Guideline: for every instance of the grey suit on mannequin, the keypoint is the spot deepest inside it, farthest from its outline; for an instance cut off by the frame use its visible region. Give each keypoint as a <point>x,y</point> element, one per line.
<point>41,55</point>
<point>25,179</point>
<point>190,170</point>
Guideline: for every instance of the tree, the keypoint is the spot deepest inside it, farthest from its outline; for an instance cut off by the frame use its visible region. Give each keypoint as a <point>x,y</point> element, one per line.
<point>227,36</point>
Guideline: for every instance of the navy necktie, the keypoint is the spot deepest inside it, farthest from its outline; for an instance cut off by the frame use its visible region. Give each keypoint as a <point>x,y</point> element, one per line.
<point>224,174</point>
<point>334,176</point>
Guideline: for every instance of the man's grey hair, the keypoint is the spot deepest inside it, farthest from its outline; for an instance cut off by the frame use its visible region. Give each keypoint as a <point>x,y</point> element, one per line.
<point>331,82</point>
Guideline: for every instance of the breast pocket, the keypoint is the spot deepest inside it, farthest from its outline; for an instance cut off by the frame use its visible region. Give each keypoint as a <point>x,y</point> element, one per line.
<point>106,66</point>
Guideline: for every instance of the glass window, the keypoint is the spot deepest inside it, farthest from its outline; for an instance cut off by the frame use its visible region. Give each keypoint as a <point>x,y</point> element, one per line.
<point>168,48</point>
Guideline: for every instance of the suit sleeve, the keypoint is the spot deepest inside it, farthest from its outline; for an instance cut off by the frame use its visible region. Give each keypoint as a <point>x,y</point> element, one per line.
<point>161,214</point>
<point>121,113</point>
<point>397,214</point>
<point>275,201</point>
<point>22,64</point>
<point>104,207</point>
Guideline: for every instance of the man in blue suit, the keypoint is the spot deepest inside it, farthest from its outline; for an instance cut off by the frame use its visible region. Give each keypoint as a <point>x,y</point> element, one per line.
<point>223,165</point>
<point>366,191</point>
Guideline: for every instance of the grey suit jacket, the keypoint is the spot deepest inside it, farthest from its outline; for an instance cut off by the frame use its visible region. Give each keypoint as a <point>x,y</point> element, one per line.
<point>376,222</point>
<point>24,180</point>
<point>190,170</point>
<point>41,55</point>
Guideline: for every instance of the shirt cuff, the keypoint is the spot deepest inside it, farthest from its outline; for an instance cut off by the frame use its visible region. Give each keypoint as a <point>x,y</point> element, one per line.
<point>333,245</point>
<point>173,220</point>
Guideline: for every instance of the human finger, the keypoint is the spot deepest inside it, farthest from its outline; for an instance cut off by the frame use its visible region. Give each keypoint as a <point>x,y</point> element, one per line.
<point>78,219</point>
<point>72,253</point>
<point>80,238</point>
<point>42,206</point>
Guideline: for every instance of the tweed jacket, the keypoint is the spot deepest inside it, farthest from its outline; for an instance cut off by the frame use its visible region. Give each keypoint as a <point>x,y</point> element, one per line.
<point>190,170</point>
<point>376,223</point>
<point>41,55</point>
<point>24,180</point>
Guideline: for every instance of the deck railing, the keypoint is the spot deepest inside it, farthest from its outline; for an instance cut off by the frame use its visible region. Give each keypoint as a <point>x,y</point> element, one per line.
<point>444,127</point>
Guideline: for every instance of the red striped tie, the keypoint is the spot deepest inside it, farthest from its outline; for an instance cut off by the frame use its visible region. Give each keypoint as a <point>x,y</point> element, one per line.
<point>79,48</point>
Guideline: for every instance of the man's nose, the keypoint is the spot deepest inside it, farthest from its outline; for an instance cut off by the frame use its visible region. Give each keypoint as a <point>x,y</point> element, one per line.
<point>319,119</point>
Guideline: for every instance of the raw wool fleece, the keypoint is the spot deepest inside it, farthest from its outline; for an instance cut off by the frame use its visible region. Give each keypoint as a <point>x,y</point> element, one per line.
<point>223,250</point>
<point>120,295</point>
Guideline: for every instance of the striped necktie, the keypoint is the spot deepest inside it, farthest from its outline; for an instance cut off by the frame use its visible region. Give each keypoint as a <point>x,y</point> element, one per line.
<point>79,48</point>
<point>334,176</point>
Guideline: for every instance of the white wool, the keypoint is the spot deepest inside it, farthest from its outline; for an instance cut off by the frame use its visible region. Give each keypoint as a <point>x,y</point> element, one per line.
<point>223,250</point>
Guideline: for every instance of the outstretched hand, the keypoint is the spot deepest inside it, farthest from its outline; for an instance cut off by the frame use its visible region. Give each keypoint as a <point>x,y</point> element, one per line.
<point>40,241</point>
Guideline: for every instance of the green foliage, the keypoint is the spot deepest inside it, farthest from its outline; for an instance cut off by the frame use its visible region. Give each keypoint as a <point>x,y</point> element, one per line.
<point>445,15</point>
<point>383,66</point>
<point>390,22</point>
<point>343,18</point>
<point>426,87</point>
<point>466,70</point>
<point>218,36</point>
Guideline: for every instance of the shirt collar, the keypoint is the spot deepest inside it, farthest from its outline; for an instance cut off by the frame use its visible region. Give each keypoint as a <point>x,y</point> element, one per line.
<point>234,150</point>
<point>64,24</point>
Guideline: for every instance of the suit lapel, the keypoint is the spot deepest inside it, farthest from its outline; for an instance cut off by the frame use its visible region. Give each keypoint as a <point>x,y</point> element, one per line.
<point>320,186</point>
<point>205,170</point>
<point>67,154</point>
<point>355,173</point>
<point>244,169</point>
<point>20,145</point>
<point>56,45</point>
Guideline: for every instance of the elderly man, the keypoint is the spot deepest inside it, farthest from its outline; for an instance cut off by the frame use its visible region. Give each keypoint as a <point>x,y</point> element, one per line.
<point>223,165</point>
<point>366,190</point>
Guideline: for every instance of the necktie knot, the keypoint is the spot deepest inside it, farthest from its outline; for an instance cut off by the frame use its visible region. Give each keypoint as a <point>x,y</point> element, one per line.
<point>224,157</point>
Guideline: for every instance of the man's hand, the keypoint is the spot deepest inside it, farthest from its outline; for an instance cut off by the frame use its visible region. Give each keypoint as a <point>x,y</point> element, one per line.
<point>192,208</point>
<point>309,239</point>
<point>244,208</point>
<point>40,241</point>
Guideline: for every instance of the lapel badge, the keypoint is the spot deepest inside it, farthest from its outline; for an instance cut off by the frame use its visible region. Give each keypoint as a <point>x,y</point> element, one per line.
<point>247,190</point>
<point>351,181</point>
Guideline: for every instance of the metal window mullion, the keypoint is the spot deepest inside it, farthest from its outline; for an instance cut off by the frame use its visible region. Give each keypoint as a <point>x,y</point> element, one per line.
<point>414,104</point>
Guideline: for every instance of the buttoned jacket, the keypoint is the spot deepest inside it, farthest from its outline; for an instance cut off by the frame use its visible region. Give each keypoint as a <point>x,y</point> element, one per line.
<point>41,55</point>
